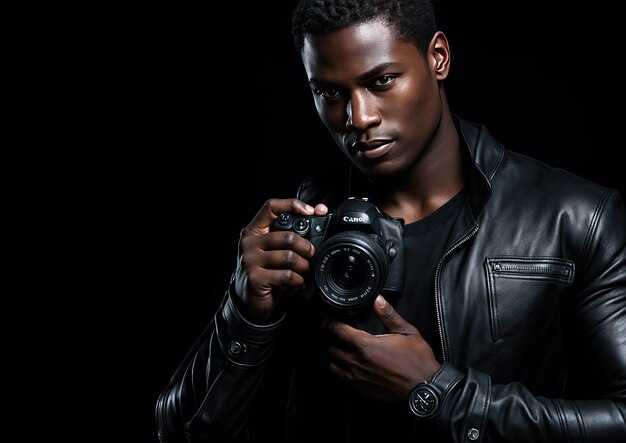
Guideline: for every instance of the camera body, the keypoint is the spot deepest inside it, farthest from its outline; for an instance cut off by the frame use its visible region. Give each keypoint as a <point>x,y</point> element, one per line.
<point>359,253</point>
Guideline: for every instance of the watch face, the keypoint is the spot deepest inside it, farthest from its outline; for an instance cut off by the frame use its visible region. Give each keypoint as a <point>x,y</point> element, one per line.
<point>424,401</point>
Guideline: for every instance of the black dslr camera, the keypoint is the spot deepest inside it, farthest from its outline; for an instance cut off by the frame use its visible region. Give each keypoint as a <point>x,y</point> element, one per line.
<point>359,252</point>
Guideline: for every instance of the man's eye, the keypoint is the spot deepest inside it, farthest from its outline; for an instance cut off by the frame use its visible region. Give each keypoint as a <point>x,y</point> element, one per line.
<point>385,80</point>
<point>328,94</point>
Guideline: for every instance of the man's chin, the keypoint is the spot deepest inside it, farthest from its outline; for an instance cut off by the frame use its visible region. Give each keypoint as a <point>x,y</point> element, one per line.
<point>380,170</point>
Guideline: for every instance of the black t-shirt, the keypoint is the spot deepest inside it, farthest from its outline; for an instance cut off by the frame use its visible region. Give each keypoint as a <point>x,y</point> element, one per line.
<point>425,242</point>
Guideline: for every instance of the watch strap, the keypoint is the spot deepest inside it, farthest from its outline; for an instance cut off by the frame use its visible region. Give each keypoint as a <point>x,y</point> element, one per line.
<point>446,378</point>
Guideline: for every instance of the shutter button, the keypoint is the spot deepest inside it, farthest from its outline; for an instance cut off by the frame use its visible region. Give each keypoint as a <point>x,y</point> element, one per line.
<point>235,348</point>
<point>473,434</point>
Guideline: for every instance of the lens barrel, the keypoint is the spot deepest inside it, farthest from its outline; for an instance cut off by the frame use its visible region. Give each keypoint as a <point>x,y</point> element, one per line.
<point>351,269</point>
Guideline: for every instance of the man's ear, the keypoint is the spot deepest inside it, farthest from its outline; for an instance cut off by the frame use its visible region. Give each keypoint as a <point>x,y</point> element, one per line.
<point>439,55</point>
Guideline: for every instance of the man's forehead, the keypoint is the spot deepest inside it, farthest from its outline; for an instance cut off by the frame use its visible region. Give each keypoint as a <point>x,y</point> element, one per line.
<point>366,34</point>
<point>355,49</point>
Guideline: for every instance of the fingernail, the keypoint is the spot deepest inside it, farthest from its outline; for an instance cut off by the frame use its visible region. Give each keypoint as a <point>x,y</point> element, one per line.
<point>309,208</point>
<point>380,301</point>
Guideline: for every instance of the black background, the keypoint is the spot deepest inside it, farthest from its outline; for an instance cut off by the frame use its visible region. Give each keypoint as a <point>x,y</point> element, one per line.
<point>217,117</point>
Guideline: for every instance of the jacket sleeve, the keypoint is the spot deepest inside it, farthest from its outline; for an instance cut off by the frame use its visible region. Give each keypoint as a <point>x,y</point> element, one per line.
<point>209,396</point>
<point>593,408</point>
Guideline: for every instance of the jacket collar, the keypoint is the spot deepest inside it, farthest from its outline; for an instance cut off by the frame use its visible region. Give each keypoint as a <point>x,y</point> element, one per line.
<point>482,155</point>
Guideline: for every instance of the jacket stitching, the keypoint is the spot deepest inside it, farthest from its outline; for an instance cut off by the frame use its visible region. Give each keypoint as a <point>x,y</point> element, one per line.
<point>485,409</point>
<point>497,163</point>
<point>562,423</point>
<point>492,300</point>
<point>581,424</point>
<point>594,223</point>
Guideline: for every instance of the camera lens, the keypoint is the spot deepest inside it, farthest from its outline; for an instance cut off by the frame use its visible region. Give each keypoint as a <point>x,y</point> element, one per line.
<point>348,272</point>
<point>351,269</point>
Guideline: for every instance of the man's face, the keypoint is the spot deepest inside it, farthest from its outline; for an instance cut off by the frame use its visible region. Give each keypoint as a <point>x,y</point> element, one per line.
<point>377,95</point>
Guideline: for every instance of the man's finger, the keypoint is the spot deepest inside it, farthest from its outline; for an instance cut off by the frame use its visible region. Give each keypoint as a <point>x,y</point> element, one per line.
<point>272,208</point>
<point>393,322</point>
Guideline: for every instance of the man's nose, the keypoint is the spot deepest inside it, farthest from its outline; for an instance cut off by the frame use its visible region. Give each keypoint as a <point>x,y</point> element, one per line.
<point>361,111</point>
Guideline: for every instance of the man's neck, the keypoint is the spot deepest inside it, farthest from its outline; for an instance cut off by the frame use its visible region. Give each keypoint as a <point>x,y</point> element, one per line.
<point>432,182</point>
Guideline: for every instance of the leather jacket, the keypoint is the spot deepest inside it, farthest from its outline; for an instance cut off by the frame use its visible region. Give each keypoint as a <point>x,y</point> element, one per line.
<point>531,312</point>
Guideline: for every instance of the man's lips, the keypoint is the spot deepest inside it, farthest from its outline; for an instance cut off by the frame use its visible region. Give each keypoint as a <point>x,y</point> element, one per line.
<point>373,148</point>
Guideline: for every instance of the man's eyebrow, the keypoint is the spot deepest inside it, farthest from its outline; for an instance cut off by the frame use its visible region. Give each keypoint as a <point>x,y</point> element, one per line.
<point>375,71</point>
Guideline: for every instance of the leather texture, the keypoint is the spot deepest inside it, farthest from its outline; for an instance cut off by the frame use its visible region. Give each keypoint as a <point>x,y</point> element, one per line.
<point>531,306</point>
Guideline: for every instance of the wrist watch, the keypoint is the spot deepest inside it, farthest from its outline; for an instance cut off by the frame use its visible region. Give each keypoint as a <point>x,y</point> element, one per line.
<point>424,401</point>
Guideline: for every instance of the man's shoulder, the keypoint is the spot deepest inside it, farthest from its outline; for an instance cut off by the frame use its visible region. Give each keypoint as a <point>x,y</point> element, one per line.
<point>553,186</point>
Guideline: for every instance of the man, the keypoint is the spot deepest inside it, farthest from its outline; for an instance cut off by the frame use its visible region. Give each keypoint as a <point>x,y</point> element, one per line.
<point>511,321</point>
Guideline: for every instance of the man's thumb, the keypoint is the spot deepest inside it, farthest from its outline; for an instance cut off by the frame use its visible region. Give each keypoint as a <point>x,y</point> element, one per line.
<point>393,322</point>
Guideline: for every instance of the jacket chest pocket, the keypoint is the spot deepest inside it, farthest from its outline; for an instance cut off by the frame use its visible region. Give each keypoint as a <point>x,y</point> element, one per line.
<point>525,293</point>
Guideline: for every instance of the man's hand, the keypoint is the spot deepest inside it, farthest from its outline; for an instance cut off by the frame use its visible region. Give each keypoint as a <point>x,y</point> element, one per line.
<point>385,367</point>
<point>271,264</point>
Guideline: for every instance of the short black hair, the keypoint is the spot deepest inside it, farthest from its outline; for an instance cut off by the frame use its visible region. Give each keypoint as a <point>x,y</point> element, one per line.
<point>412,20</point>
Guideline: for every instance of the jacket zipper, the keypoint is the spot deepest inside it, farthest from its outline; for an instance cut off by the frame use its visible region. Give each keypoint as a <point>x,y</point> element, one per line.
<point>535,269</point>
<point>438,287</point>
